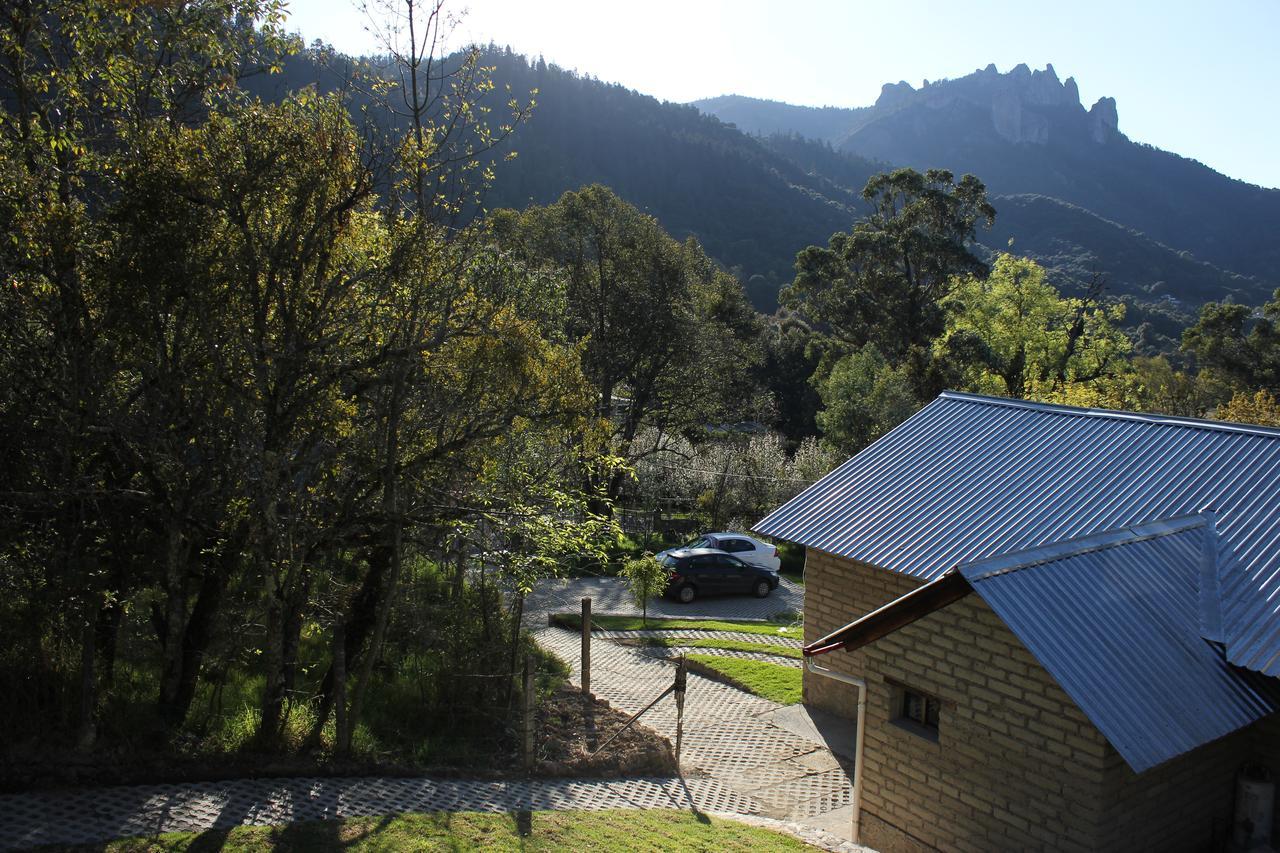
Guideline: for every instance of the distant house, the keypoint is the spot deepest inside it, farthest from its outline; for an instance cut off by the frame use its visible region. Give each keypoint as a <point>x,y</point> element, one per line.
<point>1067,623</point>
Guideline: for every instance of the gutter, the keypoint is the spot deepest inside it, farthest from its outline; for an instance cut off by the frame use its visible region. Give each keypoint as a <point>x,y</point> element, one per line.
<point>856,801</point>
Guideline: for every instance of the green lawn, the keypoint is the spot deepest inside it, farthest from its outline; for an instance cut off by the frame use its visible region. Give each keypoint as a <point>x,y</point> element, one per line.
<point>623,830</point>
<point>772,681</point>
<point>728,645</point>
<point>635,623</point>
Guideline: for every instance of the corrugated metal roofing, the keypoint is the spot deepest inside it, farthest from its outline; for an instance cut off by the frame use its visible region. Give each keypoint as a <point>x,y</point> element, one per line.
<point>970,477</point>
<point>1114,619</point>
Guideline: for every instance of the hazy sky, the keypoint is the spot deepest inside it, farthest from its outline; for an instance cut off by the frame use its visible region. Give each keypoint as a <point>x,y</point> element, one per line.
<point>1195,77</point>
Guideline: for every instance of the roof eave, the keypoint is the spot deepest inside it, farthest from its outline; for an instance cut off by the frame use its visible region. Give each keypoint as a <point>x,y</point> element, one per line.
<point>899,613</point>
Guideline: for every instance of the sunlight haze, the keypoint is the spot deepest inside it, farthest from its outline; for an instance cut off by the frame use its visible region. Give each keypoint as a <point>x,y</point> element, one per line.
<point>1193,78</point>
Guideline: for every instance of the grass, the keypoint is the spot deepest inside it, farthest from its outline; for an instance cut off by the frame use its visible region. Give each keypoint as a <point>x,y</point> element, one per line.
<point>772,681</point>
<point>727,645</point>
<point>651,830</point>
<point>635,623</point>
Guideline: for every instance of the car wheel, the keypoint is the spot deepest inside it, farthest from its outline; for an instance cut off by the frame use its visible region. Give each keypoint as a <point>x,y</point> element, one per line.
<point>763,589</point>
<point>685,594</point>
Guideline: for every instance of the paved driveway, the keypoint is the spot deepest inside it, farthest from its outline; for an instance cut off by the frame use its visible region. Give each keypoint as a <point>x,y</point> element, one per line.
<point>610,595</point>
<point>785,761</point>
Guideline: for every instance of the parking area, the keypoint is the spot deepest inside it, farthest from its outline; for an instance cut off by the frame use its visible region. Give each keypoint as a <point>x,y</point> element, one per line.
<point>610,595</point>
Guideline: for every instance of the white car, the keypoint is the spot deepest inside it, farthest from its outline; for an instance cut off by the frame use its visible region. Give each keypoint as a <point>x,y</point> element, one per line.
<point>740,545</point>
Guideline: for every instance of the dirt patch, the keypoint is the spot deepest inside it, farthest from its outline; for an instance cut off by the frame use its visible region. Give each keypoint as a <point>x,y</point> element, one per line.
<point>572,725</point>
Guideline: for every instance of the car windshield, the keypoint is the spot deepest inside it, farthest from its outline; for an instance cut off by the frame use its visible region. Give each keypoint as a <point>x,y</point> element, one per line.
<point>700,542</point>
<point>670,562</point>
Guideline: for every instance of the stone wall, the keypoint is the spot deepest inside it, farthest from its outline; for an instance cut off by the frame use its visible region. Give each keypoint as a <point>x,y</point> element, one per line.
<point>1015,764</point>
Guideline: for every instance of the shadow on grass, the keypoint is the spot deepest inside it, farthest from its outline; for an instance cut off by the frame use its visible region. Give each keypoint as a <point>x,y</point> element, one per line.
<point>697,813</point>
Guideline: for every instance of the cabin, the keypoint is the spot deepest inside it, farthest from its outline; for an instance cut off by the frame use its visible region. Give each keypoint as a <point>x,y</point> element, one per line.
<point>1063,624</point>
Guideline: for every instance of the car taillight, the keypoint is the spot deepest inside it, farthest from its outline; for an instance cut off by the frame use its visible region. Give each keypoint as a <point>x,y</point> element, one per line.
<point>775,550</point>
<point>675,577</point>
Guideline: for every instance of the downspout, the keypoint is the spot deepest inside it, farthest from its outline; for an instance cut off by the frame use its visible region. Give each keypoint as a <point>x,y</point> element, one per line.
<point>861,684</point>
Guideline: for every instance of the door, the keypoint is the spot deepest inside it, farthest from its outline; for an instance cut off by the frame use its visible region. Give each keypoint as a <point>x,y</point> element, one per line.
<point>707,574</point>
<point>738,576</point>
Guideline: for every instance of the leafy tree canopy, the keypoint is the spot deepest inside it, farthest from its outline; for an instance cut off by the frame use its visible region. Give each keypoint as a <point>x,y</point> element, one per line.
<point>882,283</point>
<point>1012,334</point>
<point>1239,344</point>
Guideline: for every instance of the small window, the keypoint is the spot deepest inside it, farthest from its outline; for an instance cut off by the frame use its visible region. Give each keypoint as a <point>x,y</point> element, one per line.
<point>916,712</point>
<point>735,546</point>
<point>920,708</point>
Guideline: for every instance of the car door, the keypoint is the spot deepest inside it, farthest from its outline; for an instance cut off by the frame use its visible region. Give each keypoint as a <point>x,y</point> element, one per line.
<point>738,576</point>
<point>706,573</point>
<point>743,549</point>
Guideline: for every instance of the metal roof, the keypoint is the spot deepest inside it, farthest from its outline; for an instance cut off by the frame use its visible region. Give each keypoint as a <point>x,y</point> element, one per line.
<point>970,477</point>
<point>1115,621</point>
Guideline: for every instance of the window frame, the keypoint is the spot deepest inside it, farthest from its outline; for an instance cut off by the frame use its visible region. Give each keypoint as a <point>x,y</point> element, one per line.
<point>925,721</point>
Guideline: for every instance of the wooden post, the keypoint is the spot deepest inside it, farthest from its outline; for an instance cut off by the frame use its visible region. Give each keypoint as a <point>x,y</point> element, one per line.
<point>586,646</point>
<point>528,721</point>
<point>682,681</point>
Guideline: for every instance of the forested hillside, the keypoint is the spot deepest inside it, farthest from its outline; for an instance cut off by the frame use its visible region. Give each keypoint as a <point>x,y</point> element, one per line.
<point>753,201</point>
<point>1026,132</point>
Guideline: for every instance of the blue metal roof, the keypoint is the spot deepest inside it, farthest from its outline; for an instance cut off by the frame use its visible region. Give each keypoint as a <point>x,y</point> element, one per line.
<point>970,477</point>
<point>1115,620</point>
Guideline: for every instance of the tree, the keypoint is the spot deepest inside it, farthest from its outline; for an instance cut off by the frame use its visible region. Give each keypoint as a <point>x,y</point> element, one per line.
<point>82,82</point>
<point>1238,344</point>
<point>864,396</point>
<point>666,336</point>
<point>1012,334</point>
<point>882,283</point>
<point>1261,408</point>
<point>645,578</point>
<point>1155,385</point>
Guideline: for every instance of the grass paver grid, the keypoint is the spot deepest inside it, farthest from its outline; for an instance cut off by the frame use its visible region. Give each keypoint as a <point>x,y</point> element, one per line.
<point>94,815</point>
<point>724,734</point>
<point>671,653</point>
<point>700,634</point>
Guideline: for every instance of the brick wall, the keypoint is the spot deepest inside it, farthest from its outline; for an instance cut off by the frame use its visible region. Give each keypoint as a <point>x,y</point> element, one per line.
<point>1016,764</point>
<point>1266,749</point>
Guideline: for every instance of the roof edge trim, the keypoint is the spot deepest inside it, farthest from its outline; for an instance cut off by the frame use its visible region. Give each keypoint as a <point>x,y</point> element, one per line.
<point>1032,557</point>
<point>1115,414</point>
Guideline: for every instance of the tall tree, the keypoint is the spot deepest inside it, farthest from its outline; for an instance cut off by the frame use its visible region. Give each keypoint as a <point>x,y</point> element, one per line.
<point>1238,344</point>
<point>666,335</point>
<point>1012,334</point>
<point>883,282</point>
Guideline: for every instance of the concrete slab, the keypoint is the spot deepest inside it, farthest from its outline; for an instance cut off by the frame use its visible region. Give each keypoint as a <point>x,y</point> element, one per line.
<point>837,733</point>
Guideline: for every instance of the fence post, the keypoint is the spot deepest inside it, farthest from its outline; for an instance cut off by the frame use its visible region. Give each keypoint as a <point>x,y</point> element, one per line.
<point>682,680</point>
<point>586,646</point>
<point>528,723</point>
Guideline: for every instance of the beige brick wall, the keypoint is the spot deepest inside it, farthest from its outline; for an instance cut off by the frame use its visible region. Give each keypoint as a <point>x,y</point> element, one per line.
<point>1266,749</point>
<point>1016,765</point>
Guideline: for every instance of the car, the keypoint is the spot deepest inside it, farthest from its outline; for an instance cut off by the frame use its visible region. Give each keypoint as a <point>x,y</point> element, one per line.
<point>740,545</point>
<point>709,571</point>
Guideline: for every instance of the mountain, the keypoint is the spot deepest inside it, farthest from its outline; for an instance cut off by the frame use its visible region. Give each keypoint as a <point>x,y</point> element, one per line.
<point>1026,132</point>
<point>766,118</point>
<point>753,201</point>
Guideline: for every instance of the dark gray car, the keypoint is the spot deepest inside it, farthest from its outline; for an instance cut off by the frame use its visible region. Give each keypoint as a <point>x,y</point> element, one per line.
<point>708,571</point>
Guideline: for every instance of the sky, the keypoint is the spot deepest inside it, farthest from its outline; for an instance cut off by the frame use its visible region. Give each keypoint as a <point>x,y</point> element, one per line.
<point>1198,78</point>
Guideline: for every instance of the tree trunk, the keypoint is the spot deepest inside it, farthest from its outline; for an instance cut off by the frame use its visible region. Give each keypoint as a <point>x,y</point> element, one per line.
<point>342,733</point>
<point>355,629</point>
<point>86,726</point>
<point>175,617</point>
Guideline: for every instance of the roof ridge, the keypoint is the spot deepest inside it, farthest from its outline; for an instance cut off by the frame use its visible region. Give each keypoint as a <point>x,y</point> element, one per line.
<point>1029,558</point>
<point>1116,414</point>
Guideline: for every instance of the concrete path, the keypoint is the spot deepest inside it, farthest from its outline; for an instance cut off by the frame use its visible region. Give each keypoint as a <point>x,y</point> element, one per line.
<point>101,814</point>
<point>780,758</point>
